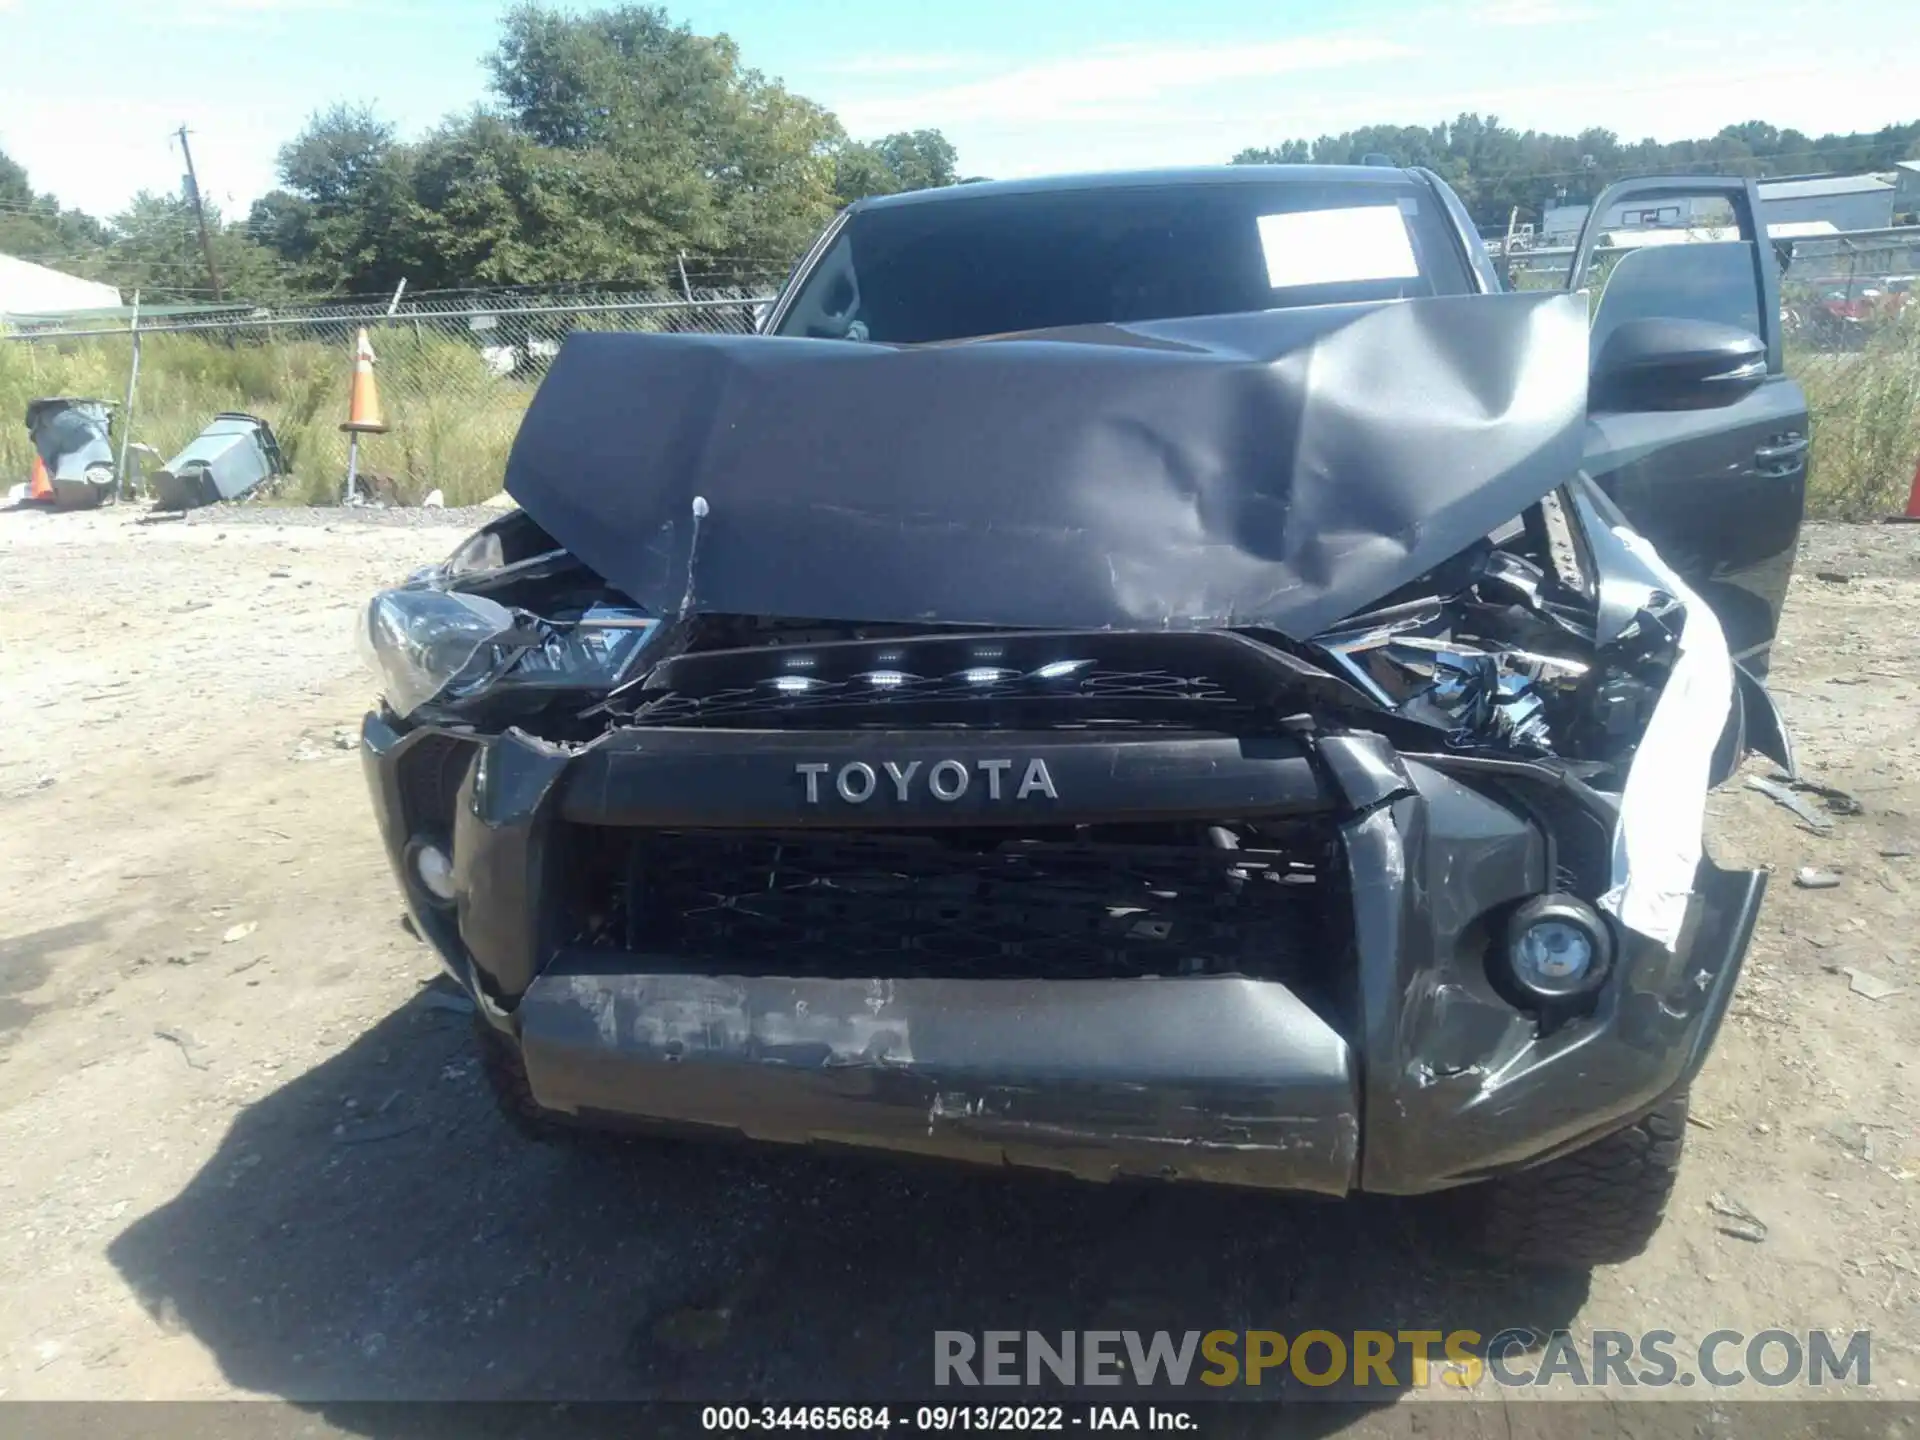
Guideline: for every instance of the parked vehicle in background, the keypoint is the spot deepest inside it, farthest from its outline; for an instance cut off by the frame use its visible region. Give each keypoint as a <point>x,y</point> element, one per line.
<point>1157,675</point>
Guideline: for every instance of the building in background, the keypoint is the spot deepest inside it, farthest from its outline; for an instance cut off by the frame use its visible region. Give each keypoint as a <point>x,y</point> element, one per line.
<point>1906,193</point>
<point>1843,202</point>
<point>1560,224</point>
<point>1849,202</point>
<point>29,289</point>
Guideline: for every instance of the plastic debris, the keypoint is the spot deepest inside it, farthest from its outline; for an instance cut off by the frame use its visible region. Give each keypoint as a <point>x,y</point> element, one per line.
<point>368,1133</point>
<point>1808,878</point>
<point>1870,986</point>
<point>185,1042</point>
<point>240,932</point>
<point>1838,800</point>
<point>434,501</point>
<point>1746,1225</point>
<point>1784,796</point>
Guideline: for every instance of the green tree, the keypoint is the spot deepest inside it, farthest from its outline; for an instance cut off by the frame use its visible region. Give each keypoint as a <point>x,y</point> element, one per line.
<point>155,248</point>
<point>621,141</point>
<point>35,228</point>
<point>340,217</point>
<point>720,158</point>
<point>492,207</point>
<point>906,160</point>
<point>1496,168</point>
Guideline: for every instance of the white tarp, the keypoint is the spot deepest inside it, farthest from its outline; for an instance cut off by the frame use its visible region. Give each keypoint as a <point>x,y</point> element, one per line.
<point>29,289</point>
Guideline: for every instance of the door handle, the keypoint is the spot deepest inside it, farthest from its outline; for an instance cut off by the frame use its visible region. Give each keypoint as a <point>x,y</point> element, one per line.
<point>1782,454</point>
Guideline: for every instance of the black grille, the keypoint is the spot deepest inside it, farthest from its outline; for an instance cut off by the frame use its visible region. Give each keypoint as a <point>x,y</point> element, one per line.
<point>983,695</point>
<point>975,906</point>
<point>431,773</point>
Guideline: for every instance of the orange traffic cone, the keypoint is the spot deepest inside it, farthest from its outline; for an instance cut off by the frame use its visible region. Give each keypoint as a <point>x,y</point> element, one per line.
<point>38,486</point>
<point>363,403</point>
<point>1913,498</point>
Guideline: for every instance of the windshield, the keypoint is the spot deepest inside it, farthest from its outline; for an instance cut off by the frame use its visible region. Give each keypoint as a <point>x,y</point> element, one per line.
<point>993,264</point>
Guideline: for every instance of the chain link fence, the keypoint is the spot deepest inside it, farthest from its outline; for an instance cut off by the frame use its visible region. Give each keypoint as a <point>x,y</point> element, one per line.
<point>455,373</point>
<point>1835,290</point>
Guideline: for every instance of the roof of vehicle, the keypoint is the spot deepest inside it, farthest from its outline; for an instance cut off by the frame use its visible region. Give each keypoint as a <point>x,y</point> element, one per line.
<point>1145,180</point>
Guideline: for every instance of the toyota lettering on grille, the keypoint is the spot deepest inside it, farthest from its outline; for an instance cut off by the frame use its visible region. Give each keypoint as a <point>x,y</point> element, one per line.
<point>945,780</point>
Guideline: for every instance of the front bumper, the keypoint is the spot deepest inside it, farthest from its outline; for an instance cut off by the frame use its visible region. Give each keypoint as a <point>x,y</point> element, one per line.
<point>1396,1067</point>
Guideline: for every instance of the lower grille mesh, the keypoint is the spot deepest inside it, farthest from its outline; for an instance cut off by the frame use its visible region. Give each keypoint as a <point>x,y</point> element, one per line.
<point>863,904</point>
<point>431,773</point>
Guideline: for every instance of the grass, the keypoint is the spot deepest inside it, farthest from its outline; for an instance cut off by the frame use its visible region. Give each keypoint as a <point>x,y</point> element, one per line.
<point>453,420</point>
<point>1866,422</point>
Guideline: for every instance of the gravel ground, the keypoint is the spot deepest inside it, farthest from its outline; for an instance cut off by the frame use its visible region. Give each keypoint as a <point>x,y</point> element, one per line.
<point>299,517</point>
<point>248,1151</point>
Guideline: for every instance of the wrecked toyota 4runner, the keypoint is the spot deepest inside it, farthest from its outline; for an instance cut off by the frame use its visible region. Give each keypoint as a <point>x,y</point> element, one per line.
<point>1139,676</point>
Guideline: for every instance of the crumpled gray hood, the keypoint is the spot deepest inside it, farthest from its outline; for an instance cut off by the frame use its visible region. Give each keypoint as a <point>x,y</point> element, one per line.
<point>1280,469</point>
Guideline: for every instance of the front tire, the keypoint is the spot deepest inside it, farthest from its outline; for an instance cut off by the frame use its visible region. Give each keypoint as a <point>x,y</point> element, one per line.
<point>1599,1205</point>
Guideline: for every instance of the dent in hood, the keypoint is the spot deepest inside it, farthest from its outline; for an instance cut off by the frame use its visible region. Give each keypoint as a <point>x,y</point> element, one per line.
<point>1280,469</point>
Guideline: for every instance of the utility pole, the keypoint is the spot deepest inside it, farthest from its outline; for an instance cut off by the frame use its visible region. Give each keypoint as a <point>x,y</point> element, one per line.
<point>200,214</point>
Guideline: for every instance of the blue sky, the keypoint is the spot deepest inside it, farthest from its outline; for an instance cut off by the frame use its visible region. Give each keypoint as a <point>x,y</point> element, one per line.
<point>1020,86</point>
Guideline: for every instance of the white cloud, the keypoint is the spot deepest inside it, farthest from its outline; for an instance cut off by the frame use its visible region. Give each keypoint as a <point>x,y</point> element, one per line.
<point>237,14</point>
<point>1531,12</point>
<point>945,63</point>
<point>1107,84</point>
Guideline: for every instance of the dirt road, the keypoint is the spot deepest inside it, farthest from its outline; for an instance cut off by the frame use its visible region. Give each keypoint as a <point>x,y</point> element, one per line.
<point>247,1151</point>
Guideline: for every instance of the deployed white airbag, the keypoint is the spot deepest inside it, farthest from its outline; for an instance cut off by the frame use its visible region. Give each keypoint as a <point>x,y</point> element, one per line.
<point>1657,842</point>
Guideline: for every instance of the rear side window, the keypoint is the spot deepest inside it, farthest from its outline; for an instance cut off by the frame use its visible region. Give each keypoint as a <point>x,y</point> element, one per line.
<point>994,264</point>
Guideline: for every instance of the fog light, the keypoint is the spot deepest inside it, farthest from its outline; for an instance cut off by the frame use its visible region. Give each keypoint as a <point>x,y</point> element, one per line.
<point>434,870</point>
<point>1557,948</point>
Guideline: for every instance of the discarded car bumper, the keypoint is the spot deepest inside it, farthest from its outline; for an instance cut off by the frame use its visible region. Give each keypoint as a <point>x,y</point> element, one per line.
<point>1359,1039</point>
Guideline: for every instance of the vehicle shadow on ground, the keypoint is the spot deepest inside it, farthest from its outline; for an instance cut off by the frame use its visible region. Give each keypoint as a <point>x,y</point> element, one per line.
<point>409,1245</point>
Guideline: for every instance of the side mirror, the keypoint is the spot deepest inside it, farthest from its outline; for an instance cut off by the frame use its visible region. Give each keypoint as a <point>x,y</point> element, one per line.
<point>1658,363</point>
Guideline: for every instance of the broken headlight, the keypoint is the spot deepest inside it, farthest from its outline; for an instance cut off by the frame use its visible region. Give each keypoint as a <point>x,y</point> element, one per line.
<point>429,645</point>
<point>477,554</point>
<point>1477,696</point>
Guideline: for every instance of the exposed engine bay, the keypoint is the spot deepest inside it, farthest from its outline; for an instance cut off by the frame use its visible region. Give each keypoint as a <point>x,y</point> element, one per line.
<point>1555,640</point>
<point>1495,652</point>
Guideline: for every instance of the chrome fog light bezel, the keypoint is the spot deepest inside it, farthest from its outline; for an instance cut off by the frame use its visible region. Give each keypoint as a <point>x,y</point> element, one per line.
<point>1562,917</point>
